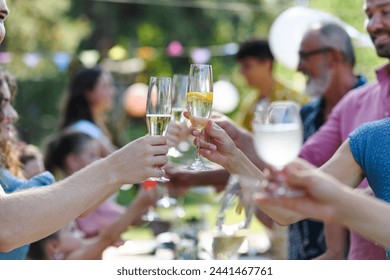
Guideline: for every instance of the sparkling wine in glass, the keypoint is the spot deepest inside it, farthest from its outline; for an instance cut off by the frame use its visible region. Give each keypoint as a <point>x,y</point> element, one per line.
<point>159,109</point>
<point>179,91</point>
<point>199,103</point>
<point>278,139</point>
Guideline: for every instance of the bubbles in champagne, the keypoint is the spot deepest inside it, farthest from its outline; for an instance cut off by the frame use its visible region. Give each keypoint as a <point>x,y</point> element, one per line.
<point>158,123</point>
<point>226,245</point>
<point>199,106</point>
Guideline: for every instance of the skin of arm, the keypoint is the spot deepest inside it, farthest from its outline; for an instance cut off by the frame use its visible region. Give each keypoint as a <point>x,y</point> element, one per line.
<point>53,207</point>
<point>329,200</point>
<point>335,234</point>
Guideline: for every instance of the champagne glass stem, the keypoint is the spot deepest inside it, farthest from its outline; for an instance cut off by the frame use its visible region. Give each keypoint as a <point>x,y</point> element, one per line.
<point>197,156</point>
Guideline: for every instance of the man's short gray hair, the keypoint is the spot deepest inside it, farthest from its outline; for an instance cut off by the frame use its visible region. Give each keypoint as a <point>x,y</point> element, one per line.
<point>335,36</point>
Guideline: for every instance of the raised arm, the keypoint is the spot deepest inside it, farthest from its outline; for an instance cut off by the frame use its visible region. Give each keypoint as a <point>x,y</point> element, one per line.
<point>29,215</point>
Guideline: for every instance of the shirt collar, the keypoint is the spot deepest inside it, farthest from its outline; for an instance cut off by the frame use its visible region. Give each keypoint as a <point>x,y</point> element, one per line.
<point>383,77</point>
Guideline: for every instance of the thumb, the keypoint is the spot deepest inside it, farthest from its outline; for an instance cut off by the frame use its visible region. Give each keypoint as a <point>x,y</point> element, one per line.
<point>186,115</point>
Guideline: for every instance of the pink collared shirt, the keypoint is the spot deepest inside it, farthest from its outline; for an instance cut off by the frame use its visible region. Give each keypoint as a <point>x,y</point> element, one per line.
<point>364,104</point>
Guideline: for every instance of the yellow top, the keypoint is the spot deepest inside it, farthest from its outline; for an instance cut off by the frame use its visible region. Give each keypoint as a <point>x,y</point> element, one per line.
<point>280,93</point>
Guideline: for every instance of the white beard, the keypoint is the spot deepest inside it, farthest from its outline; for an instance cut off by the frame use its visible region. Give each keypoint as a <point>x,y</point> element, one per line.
<point>316,87</point>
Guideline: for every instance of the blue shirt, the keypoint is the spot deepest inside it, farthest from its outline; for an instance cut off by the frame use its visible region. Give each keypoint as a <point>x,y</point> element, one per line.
<point>87,127</point>
<point>10,184</point>
<point>370,148</point>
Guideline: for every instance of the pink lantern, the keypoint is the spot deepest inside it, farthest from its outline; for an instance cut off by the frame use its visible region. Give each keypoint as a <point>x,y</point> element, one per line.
<point>175,48</point>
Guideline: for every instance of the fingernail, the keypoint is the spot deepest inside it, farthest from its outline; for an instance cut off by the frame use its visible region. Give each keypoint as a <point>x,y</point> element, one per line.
<point>212,147</point>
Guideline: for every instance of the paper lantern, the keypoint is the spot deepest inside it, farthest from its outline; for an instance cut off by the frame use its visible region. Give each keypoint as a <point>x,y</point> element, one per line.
<point>226,97</point>
<point>134,100</point>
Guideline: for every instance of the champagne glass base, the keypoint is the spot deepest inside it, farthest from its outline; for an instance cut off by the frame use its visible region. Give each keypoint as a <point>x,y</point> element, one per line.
<point>159,179</point>
<point>198,165</point>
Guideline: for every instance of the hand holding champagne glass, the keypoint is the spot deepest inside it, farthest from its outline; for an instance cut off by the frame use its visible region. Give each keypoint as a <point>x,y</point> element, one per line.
<point>199,103</point>
<point>159,109</point>
<point>278,139</point>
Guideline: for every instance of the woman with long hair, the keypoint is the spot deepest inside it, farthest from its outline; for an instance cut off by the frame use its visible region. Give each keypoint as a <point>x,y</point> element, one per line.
<point>11,176</point>
<point>90,97</point>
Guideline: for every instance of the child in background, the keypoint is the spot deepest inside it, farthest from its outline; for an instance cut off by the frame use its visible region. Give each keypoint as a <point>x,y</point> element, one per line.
<point>66,154</point>
<point>32,161</point>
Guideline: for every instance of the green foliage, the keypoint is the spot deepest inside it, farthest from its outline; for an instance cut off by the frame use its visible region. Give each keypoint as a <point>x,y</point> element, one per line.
<point>42,25</point>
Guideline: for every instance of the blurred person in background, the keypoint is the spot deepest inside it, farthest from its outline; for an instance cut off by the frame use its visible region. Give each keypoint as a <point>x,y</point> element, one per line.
<point>68,153</point>
<point>31,159</point>
<point>89,99</point>
<point>11,177</point>
<point>256,63</point>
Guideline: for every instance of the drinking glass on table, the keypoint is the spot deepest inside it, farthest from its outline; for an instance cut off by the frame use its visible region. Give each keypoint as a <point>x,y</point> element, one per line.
<point>151,215</point>
<point>159,109</point>
<point>229,236</point>
<point>179,91</point>
<point>278,139</point>
<point>199,103</point>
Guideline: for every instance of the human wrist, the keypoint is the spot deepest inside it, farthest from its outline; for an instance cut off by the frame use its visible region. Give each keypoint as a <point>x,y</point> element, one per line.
<point>233,163</point>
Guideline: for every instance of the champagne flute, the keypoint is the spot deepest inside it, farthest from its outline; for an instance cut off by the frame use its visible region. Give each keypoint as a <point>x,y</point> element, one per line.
<point>159,109</point>
<point>278,139</point>
<point>179,91</point>
<point>199,104</point>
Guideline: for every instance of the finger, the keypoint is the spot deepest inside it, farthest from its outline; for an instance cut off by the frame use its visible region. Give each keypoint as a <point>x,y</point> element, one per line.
<point>195,132</point>
<point>155,172</point>
<point>157,140</point>
<point>203,144</point>
<point>159,150</point>
<point>186,114</point>
<point>160,160</point>
<point>297,178</point>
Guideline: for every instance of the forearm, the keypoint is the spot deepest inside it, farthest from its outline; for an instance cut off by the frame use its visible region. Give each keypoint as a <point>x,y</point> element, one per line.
<point>51,208</point>
<point>280,215</point>
<point>240,164</point>
<point>365,215</point>
<point>213,177</point>
<point>246,145</point>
